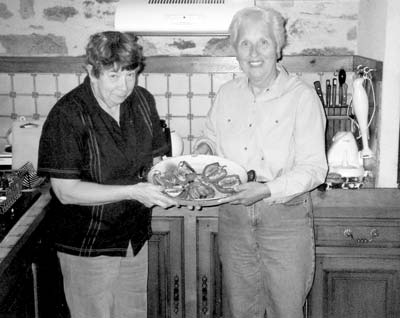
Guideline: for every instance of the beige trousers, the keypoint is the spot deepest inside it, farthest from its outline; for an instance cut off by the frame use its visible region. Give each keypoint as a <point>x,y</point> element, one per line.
<point>104,286</point>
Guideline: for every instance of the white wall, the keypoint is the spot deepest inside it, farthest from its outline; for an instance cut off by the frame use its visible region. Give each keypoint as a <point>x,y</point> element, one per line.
<point>390,112</point>
<point>378,38</point>
<point>371,28</point>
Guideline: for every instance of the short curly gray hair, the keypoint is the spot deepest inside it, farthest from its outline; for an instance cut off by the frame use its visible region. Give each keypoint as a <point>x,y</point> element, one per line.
<point>271,17</point>
<point>110,49</point>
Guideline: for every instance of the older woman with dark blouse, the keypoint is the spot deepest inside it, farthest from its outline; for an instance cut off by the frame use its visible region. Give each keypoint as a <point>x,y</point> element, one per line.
<point>96,144</point>
<point>271,122</point>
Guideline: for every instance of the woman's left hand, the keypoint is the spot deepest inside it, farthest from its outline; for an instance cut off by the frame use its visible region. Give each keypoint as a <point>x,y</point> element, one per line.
<point>248,194</point>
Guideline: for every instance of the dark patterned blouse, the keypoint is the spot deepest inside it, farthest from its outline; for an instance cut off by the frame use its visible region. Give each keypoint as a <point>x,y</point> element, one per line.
<point>81,141</point>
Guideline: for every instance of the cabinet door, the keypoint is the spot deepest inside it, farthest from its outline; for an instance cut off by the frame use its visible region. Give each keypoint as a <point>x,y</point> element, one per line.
<point>166,279</point>
<point>211,302</point>
<point>356,283</point>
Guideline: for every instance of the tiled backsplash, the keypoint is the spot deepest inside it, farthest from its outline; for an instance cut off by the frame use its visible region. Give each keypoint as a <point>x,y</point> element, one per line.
<point>183,99</point>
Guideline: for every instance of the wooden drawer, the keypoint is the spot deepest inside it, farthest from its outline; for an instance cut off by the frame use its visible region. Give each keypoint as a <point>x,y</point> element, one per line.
<point>357,232</point>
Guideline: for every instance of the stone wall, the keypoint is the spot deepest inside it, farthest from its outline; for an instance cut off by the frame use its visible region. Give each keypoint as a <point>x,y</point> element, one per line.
<point>62,27</point>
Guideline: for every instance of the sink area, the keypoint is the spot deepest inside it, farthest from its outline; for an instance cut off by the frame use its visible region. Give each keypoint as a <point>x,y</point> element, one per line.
<point>10,217</point>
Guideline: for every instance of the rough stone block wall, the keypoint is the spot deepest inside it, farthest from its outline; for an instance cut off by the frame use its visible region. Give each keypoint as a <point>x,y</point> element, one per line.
<point>62,27</point>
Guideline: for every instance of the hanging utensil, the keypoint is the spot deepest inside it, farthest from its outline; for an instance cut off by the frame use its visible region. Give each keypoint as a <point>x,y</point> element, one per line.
<point>360,107</point>
<point>344,100</point>
<point>318,89</point>
<point>342,80</point>
<point>334,88</point>
<point>328,93</point>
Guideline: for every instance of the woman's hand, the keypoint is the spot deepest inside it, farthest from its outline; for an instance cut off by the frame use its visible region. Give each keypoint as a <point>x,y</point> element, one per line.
<point>203,149</point>
<point>151,195</point>
<point>248,194</point>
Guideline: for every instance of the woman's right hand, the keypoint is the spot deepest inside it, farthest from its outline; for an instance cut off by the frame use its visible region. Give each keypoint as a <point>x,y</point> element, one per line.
<point>203,149</point>
<point>151,195</point>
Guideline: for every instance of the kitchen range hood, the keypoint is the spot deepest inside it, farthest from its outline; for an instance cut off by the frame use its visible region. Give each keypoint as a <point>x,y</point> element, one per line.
<point>177,17</point>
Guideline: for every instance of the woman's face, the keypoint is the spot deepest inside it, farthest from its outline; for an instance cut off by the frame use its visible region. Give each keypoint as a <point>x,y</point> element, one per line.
<point>114,86</point>
<point>256,51</point>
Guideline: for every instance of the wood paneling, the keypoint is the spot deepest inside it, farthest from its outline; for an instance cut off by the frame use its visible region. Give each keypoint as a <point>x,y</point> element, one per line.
<point>186,64</point>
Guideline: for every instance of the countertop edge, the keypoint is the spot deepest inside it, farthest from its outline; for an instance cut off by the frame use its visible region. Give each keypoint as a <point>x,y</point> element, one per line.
<point>329,204</point>
<point>22,230</point>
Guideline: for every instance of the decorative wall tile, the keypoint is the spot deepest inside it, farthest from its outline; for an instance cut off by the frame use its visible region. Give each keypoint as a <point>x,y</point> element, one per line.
<point>45,83</point>
<point>5,105</point>
<point>200,105</point>
<point>5,83</point>
<point>23,83</point>
<point>179,83</point>
<point>162,106</point>
<point>24,105</point>
<point>183,100</point>
<point>45,104</point>
<point>179,106</point>
<point>157,83</point>
<point>200,83</point>
<point>66,82</point>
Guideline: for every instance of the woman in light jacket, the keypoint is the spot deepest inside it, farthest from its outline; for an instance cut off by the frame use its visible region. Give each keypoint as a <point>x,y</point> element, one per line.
<point>273,123</point>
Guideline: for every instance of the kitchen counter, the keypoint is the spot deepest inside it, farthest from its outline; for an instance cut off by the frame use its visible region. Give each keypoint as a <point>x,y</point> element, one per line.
<point>352,229</point>
<point>24,227</point>
<point>332,203</point>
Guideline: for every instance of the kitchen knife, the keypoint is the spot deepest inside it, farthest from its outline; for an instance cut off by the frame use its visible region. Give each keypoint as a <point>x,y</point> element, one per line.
<point>345,94</point>
<point>329,109</point>
<point>342,80</point>
<point>318,89</point>
<point>334,86</point>
<point>328,93</point>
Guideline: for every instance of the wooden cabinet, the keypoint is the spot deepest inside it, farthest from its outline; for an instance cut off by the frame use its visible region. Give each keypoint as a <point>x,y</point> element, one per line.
<point>166,268</point>
<point>355,282</point>
<point>16,288</point>
<point>17,273</point>
<point>357,263</point>
<point>209,272</point>
<point>357,255</point>
<point>199,270</point>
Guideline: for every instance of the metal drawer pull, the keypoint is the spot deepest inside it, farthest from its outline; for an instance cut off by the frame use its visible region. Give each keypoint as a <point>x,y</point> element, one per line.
<point>204,294</point>
<point>373,234</point>
<point>176,294</point>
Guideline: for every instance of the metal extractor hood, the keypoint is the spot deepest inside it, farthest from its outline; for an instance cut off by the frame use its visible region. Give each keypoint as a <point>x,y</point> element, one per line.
<point>177,17</point>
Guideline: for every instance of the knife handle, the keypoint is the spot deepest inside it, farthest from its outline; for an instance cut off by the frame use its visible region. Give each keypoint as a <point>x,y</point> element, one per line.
<point>340,96</point>
<point>344,94</point>
<point>334,85</point>
<point>318,89</point>
<point>328,93</point>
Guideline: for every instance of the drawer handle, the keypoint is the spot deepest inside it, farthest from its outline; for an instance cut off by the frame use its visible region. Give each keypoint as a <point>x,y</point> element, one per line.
<point>373,234</point>
<point>176,294</point>
<point>204,293</point>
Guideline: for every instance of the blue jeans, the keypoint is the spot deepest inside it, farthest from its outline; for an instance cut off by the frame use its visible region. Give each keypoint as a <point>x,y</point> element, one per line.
<point>268,257</point>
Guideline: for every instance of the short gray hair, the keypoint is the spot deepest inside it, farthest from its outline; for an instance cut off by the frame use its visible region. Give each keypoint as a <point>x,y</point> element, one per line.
<point>113,49</point>
<point>270,16</point>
